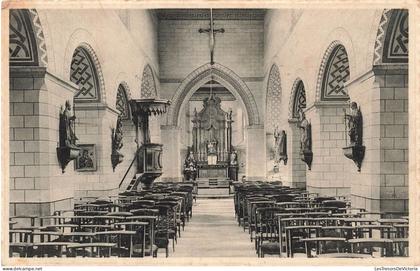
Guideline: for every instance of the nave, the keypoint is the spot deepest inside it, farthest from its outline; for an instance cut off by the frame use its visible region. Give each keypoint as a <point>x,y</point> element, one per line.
<point>209,132</point>
<point>262,219</point>
<point>214,232</point>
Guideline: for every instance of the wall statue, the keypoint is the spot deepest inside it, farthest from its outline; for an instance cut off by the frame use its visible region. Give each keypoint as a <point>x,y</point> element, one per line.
<point>190,167</point>
<point>67,149</point>
<point>280,145</point>
<point>354,126</point>
<point>67,127</point>
<point>305,139</point>
<point>233,166</point>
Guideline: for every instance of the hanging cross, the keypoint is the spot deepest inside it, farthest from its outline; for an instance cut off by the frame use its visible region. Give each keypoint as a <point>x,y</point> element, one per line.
<point>212,33</point>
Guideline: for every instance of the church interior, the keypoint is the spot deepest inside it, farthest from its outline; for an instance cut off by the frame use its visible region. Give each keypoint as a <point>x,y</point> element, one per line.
<point>208,133</point>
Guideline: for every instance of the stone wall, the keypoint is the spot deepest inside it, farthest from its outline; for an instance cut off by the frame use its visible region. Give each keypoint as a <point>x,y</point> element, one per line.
<point>381,91</point>
<point>37,185</point>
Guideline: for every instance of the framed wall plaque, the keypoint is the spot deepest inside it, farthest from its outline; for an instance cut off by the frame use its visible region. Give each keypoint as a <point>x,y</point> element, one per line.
<point>86,161</point>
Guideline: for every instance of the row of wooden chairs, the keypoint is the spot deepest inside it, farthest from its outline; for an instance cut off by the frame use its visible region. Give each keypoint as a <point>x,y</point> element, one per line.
<point>283,221</point>
<point>134,224</point>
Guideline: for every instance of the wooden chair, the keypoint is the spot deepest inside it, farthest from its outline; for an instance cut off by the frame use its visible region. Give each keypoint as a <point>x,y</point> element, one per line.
<point>163,232</point>
<point>321,245</point>
<point>294,234</point>
<point>90,249</point>
<point>345,255</point>
<point>253,215</point>
<point>123,239</point>
<point>138,245</point>
<point>144,211</point>
<point>267,231</point>
<point>139,204</point>
<point>369,246</point>
<point>171,217</point>
<point>149,249</point>
<point>20,242</point>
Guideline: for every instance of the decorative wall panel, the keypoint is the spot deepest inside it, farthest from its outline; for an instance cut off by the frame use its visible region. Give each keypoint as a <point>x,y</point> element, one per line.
<point>299,99</point>
<point>396,39</point>
<point>148,84</point>
<point>273,98</point>
<point>337,72</point>
<point>83,73</point>
<point>122,103</point>
<point>22,42</point>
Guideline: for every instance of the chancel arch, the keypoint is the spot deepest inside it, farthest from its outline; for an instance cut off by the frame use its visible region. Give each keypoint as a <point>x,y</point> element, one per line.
<point>225,76</point>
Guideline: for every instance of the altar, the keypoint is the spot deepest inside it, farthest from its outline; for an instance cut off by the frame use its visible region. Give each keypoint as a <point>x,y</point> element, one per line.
<point>212,139</point>
<point>212,171</point>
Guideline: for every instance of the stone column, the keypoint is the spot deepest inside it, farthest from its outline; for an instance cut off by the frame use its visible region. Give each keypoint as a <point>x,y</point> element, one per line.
<point>382,184</point>
<point>172,160</point>
<point>255,156</point>
<point>297,168</point>
<point>328,132</point>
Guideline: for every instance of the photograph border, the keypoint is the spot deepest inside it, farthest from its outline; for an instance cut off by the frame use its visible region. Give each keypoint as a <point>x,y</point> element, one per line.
<point>414,123</point>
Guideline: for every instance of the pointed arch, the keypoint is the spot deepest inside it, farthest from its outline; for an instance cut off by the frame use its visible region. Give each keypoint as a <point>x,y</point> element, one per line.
<point>223,75</point>
<point>273,98</point>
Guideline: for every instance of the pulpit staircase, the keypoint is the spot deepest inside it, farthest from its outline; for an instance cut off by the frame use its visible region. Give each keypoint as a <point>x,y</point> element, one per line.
<point>133,182</point>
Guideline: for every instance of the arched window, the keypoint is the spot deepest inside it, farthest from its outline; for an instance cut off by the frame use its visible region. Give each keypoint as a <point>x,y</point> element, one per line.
<point>148,84</point>
<point>299,102</point>
<point>273,98</point>
<point>84,74</point>
<point>336,73</point>
<point>122,103</point>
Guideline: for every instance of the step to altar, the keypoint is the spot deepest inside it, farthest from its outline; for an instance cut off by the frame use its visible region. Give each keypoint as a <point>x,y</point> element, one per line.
<point>212,187</point>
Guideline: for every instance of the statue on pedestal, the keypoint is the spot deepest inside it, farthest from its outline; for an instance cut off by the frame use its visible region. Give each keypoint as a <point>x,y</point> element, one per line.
<point>280,145</point>
<point>67,149</point>
<point>190,167</point>
<point>306,154</point>
<point>354,124</point>
<point>233,166</point>
<point>67,127</point>
<point>212,152</point>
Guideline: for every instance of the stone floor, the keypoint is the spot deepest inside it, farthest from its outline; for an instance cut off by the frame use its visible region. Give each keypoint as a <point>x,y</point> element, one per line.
<point>214,232</point>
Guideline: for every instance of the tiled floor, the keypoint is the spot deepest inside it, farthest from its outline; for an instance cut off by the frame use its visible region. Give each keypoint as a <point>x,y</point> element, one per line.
<point>214,232</point>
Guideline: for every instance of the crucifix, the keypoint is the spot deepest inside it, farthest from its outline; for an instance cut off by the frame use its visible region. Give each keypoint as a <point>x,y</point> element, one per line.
<point>212,33</point>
